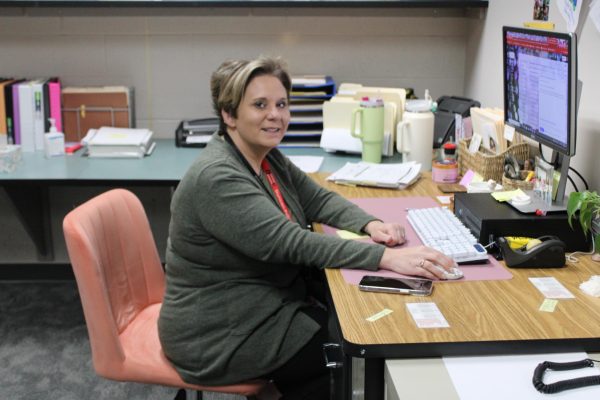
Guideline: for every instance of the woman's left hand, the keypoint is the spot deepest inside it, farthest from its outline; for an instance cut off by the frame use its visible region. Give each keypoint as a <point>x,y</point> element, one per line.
<point>390,234</point>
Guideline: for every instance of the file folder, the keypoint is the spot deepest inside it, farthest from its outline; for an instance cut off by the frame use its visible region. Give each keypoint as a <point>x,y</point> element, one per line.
<point>86,108</point>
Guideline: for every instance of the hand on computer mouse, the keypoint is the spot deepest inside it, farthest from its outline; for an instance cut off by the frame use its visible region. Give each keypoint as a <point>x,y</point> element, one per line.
<point>453,273</point>
<point>419,260</point>
<point>390,234</point>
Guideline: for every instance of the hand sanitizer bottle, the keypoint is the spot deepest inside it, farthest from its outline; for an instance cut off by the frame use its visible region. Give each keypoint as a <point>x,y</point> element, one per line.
<point>54,142</point>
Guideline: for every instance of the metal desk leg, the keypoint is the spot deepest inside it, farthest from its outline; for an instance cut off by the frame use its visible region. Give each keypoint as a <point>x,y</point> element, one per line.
<point>33,210</point>
<point>374,380</point>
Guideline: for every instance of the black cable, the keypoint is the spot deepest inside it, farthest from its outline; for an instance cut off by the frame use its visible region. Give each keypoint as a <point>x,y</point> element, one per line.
<point>566,384</point>
<point>572,183</point>
<point>570,169</point>
<point>542,154</point>
<point>580,177</point>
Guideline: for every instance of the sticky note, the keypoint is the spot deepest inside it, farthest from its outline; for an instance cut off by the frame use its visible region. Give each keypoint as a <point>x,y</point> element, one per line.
<point>509,132</point>
<point>380,314</point>
<point>548,305</point>
<point>427,315</point>
<point>467,178</point>
<point>445,199</point>
<point>507,195</point>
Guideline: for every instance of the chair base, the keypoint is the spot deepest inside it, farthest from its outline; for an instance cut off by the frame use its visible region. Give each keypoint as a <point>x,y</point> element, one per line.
<point>182,395</point>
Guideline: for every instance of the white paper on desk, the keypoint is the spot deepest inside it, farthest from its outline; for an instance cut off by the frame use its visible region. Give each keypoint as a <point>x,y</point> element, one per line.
<point>381,174</point>
<point>509,377</point>
<point>111,136</point>
<point>307,164</point>
<point>427,315</point>
<point>551,288</point>
<point>340,139</point>
<point>198,139</point>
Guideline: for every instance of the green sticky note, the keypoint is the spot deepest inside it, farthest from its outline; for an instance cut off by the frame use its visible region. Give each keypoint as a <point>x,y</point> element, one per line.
<point>507,195</point>
<point>548,305</point>
<point>350,235</point>
<point>380,314</point>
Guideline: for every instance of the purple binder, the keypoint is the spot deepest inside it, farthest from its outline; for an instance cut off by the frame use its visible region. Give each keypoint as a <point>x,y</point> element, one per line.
<point>16,117</point>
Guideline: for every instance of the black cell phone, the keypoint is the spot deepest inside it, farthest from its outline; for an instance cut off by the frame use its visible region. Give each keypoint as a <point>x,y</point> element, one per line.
<point>414,286</point>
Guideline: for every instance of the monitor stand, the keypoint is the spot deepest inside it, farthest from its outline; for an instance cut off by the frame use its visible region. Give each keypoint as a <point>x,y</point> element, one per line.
<point>538,204</point>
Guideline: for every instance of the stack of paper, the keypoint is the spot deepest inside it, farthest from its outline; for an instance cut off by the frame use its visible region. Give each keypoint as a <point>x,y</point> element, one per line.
<point>109,142</point>
<point>393,176</point>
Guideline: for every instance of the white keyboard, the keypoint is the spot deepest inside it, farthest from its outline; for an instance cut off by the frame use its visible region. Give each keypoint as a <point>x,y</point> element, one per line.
<point>437,227</point>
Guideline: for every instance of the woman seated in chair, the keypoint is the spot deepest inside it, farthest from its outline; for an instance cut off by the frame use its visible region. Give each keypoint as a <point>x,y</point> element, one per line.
<point>239,303</point>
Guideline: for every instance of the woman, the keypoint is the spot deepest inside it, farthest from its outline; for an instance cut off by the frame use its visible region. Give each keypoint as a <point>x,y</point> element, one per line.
<point>238,304</point>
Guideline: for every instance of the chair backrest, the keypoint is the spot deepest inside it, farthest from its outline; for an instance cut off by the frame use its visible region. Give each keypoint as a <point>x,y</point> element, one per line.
<point>117,268</point>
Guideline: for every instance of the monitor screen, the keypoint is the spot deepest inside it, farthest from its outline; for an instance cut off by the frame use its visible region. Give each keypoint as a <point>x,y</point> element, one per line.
<point>540,80</point>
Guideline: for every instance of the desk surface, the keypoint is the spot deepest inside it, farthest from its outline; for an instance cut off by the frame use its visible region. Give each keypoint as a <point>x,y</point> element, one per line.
<point>167,165</point>
<point>485,317</point>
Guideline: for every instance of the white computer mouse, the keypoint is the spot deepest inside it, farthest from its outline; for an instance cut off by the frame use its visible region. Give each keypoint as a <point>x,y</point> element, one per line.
<point>454,273</point>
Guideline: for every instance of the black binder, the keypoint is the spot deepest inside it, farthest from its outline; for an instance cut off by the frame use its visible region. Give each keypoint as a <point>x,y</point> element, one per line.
<point>196,132</point>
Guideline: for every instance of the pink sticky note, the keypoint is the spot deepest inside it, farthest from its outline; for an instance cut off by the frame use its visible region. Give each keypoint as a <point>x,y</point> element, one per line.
<point>467,178</point>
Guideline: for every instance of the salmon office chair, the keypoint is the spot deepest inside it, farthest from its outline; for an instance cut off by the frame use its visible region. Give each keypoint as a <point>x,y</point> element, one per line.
<point>121,284</point>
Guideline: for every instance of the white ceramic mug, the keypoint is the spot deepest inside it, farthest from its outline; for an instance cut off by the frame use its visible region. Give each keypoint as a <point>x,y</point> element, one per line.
<point>415,138</point>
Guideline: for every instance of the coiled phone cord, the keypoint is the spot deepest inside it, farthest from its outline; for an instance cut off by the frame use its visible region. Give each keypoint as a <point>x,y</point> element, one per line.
<point>567,384</point>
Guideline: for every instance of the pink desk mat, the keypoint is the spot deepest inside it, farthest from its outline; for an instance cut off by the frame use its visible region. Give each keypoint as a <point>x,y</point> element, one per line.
<point>395,210</point>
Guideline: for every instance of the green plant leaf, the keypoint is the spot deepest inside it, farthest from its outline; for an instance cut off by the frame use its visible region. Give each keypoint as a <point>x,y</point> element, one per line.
<point>573,205</point>
<point>585,217</point>
<point>597,243</point>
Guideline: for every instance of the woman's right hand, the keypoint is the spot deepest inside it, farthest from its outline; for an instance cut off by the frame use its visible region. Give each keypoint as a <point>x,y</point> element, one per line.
<point>420,260</point>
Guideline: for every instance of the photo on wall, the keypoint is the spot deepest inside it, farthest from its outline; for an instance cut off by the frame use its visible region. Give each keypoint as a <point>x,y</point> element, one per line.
<point>541,9</point>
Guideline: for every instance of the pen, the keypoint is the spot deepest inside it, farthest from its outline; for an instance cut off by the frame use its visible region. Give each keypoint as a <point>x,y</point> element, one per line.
<point>344,183</point>
<point>361,171</point>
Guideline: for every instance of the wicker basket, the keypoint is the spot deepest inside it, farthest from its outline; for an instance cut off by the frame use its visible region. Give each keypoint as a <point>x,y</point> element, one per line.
<point>486,163</point>
<point>512,184</point>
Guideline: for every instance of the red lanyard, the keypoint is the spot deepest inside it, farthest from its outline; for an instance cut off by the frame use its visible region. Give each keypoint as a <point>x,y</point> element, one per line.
<point>267,169</point>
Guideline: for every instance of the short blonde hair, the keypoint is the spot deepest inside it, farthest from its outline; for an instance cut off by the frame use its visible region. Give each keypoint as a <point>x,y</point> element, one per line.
<point>229,82</point>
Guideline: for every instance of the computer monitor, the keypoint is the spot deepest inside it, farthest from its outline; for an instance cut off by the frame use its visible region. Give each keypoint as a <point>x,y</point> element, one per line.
<point>540,91</point>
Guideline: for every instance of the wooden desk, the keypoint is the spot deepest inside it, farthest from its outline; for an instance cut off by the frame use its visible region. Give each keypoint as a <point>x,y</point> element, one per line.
<point>485,317</point>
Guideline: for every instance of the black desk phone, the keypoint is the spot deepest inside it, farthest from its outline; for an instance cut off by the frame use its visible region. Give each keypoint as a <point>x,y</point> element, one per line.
<point>444,116</point>
<point>547,252</point>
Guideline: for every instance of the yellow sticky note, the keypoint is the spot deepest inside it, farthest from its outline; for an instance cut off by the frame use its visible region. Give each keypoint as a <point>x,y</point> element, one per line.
<point>380,314</point>
<point>350,235</point>
<point>477,178</point>
<point>548,305</point>
<point>507,195</point>
<point>546,25</point>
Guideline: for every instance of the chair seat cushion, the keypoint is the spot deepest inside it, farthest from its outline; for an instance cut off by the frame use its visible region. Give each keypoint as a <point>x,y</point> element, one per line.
<point>146,362</point>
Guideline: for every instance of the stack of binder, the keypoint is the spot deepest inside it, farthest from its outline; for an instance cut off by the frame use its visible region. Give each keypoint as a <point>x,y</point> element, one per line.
<point>306,107</point>
<point>110,142</point>
<point>25,109</point>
